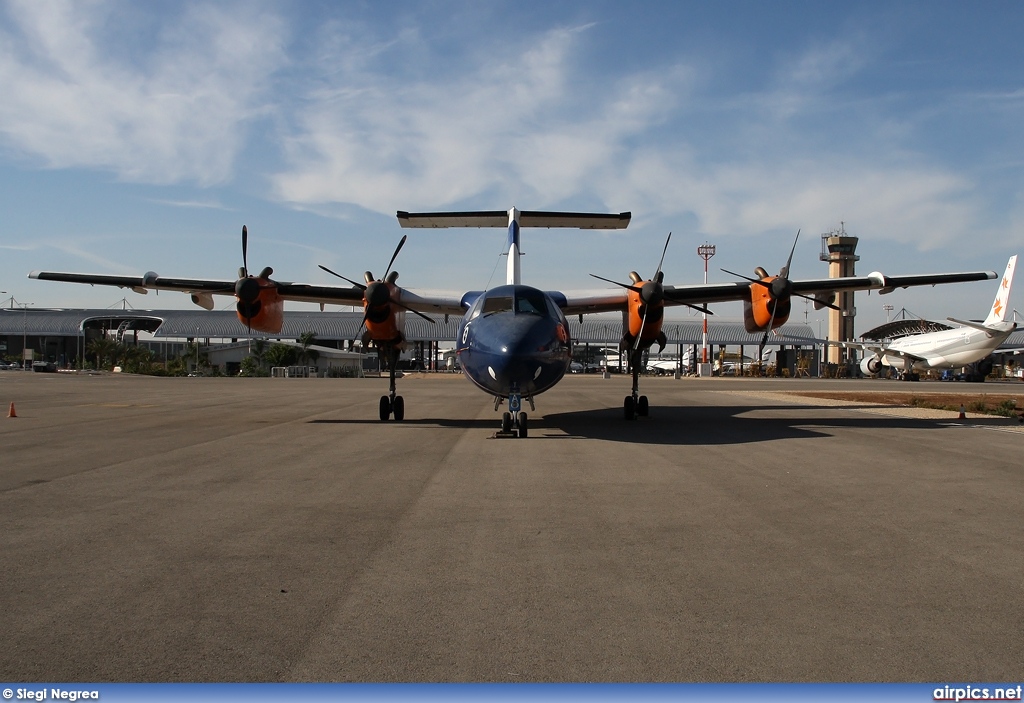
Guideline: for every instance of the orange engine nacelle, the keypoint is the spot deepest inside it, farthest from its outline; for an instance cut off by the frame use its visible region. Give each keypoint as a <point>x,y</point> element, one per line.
<point>757,312</point>
<point>385,323</point>
<point>648,331</point>
<point>266,312</point>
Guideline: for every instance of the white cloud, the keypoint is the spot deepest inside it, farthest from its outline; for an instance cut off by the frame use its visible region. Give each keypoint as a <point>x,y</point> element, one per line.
<point>176,111</point>
<point>518,126</point>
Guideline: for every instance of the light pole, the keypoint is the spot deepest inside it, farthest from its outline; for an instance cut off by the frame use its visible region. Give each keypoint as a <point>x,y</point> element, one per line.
<point>705,251</point>
<point>888,309</point>
<point>24,334</point>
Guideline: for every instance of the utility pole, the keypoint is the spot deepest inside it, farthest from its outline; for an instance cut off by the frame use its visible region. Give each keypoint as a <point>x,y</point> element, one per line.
<point>705,251</point>
<point>24,334</point>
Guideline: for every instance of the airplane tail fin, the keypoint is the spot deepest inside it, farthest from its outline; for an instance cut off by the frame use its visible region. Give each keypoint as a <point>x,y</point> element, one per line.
<point>514,219</point>
<point>1001,305</point>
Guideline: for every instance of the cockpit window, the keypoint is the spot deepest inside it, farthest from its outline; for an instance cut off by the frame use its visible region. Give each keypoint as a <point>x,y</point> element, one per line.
<point>520,300</point>
<point>530,302</point>
<point>497,303</point>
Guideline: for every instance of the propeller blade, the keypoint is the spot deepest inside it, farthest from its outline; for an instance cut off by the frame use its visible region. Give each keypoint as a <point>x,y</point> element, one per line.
<point>662,260</point>
<point>830,306</point>
<point>636,342</point>
<point>414,312</point>
<point>245,249</point>
<point>764,339</point>
<point>395,256</point>
<point>784,273</point>
<point>635,289</point>
<point>747,278</point>
<point>360,286</point>
<point>362,325</point>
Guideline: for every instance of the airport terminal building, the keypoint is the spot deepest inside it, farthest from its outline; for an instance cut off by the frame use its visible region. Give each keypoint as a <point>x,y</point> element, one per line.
<point>61,336</point>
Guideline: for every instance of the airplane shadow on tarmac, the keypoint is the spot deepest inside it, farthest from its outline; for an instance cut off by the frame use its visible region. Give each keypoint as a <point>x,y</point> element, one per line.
<point>681,425</point>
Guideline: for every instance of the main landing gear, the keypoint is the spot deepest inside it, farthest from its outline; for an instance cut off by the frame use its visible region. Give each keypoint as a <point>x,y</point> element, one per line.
<point>392,404</point>
<point>635,405</point>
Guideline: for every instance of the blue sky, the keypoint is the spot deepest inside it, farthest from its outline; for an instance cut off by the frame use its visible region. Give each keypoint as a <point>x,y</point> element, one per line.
<point>142,136</point>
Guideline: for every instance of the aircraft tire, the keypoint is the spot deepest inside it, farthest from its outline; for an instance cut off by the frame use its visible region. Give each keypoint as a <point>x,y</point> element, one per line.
<point>522,425</point>
<point>385,408</point>
<point>629,408</point>
<point>642,408</point>
<point>399,408</point>
<point>506,422</point>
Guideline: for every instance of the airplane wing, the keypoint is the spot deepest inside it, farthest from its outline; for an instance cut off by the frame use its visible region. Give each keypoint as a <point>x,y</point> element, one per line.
<point>143,284</point>
<point>817,287</point>
<point>298,292</point>
<point>697,294</point>
<point>584,303</point>
<point>878,348</point>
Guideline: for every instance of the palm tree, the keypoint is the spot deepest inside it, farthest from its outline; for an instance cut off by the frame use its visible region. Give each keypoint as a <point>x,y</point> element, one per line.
<point>136,359</point>
<point>306,340</point>
<point>104,349</point>
<point>282,355</point>
<point>258,351</point>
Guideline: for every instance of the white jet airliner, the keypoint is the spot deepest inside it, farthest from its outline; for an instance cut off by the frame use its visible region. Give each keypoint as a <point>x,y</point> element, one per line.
<point>947,349</point>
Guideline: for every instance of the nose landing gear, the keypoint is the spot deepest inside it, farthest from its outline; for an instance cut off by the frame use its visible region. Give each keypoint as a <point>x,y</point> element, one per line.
<point>514,420</point>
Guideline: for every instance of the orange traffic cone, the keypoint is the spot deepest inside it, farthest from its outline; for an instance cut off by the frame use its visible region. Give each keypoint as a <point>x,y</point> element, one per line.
<point>963,414</point>
<point>11,412</point>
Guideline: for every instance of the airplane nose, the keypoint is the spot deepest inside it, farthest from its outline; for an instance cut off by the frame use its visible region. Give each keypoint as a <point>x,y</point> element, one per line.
<point>518,349</point>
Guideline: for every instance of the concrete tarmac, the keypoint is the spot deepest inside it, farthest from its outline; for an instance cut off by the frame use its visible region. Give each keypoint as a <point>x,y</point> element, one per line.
<point>200,529</point>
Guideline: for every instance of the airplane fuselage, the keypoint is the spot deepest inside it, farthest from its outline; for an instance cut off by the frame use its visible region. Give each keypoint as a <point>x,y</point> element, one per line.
<point>947,349</point>
<point>514,339</point>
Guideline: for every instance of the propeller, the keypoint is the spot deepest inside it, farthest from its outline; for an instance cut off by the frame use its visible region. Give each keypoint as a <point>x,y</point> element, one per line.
<point>651,292</point>
<point>376,292</point>
<point>780,288</point>
<point>247,288</point>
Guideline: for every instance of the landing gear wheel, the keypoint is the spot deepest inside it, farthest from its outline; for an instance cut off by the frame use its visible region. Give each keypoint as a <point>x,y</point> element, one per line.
<point>641,406</point>
<point>385,407</point>
<point>506,422</point>
<point>398,408</point>
<point>629,408</point>
<point>522,425</point>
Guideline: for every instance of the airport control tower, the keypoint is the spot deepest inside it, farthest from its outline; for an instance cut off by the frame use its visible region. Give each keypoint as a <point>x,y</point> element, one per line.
<point>837,248</point>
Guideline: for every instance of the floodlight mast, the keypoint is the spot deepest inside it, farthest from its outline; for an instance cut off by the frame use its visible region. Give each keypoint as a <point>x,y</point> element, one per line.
<point>705,251</point>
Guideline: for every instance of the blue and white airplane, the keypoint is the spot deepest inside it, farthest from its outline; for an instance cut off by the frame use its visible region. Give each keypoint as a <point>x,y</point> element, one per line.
<point>514,342</point>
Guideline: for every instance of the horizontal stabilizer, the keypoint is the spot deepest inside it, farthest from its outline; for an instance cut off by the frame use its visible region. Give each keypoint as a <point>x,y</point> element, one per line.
<point>527,218</point>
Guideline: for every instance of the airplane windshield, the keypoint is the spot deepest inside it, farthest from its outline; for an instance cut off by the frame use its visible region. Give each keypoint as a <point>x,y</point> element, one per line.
<point>530,302</point>
<point>497,303</point>
<point>521,302</point>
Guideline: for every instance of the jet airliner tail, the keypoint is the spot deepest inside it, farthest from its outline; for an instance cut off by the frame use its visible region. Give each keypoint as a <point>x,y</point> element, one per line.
<point>1001,305</point>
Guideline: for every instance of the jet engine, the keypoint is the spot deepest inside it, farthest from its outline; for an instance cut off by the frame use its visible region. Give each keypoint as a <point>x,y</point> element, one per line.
<point>870,365</point>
